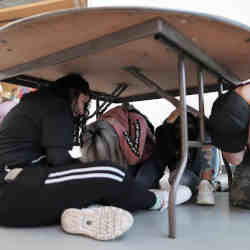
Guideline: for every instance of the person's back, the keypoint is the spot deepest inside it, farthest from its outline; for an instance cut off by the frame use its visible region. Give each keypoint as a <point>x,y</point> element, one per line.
<point>26,131</point>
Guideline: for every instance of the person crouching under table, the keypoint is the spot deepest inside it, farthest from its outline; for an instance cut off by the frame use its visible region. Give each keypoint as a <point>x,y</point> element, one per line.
<point>229,126</point>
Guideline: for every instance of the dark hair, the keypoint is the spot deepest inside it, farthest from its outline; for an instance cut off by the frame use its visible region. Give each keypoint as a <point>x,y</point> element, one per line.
<point>168,139</point>
<point>73,81</point>
<point>70,87</point>
<point>229,121</point>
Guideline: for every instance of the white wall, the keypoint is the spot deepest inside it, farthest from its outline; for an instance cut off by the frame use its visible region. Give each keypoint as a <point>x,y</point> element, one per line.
<point>237,10</point>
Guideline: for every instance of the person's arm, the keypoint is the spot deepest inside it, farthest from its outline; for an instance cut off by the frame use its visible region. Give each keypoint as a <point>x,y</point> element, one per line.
<point>57,137</point>
<point>59,156</point>
<point>234,158</point>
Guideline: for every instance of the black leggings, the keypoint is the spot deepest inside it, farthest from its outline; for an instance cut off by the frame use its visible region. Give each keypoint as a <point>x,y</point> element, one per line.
<point>148,173</point>
<point>39,194</point>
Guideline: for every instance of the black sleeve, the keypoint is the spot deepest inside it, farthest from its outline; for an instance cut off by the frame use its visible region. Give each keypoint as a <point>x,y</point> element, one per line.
<point>57,130</point>
<point>57,134</point>
<point>59,156</point>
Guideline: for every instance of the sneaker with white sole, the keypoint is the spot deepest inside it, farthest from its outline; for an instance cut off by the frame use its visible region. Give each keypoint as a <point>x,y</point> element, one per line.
<point>206,194</point>
<point>100,223</point>
<point>164,182</point>
<point>183,194</point>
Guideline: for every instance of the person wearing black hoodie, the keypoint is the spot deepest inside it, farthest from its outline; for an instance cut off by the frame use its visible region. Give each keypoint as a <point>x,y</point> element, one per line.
<point>43,126</point>
<point>38,177</point>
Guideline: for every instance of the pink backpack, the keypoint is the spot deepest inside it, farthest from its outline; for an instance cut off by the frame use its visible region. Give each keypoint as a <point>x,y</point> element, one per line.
<point>135,134</point>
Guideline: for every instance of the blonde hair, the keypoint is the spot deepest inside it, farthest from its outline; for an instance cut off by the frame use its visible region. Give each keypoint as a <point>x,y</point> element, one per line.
<point>101,142</point>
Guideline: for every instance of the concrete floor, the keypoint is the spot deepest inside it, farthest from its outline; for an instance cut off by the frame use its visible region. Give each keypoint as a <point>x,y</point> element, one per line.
<point>202,228</point>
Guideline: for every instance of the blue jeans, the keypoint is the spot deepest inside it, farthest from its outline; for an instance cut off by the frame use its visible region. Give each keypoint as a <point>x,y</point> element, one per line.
<point>204,160</point>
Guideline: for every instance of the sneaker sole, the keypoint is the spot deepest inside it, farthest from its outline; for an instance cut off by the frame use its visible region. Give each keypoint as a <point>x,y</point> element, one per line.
<point>183,194</point>
<point>202,199</point>
<point>100,223</point>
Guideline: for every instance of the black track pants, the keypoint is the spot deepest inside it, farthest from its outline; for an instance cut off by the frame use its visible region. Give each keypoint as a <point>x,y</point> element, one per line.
<point>39,195</point>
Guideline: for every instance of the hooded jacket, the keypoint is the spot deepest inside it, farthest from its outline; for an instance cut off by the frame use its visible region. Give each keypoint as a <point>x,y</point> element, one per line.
<point>41,124</point>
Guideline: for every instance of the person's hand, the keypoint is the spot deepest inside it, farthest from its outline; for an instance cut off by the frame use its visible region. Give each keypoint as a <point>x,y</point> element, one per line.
<point>173,116</point>
<point>13,174</point>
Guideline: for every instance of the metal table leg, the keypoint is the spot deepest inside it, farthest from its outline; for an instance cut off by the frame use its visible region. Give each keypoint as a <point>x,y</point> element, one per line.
<point>201,103</point>
<point>183,109</point>
<point>184,147</point>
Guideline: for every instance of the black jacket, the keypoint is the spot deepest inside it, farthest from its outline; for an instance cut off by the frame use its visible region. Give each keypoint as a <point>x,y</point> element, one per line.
<point>41,124</point>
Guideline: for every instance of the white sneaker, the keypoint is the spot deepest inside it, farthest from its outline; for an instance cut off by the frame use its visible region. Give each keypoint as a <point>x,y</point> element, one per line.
<point>183,194</point>
<point>205,194</point>
<point>164,182</point>
<point>221,183</point>
<point>100,223</point>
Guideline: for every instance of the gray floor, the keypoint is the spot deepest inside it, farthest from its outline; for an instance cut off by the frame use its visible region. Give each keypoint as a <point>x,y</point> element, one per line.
<point>203,228</point>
